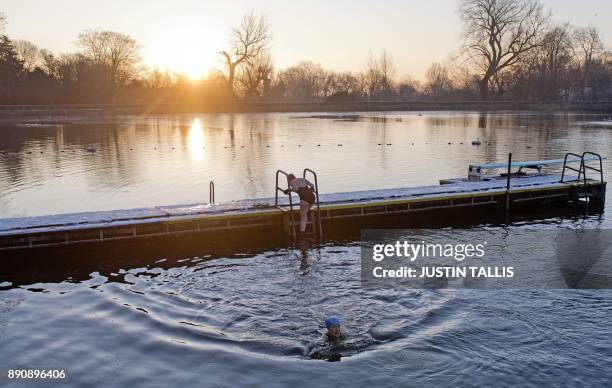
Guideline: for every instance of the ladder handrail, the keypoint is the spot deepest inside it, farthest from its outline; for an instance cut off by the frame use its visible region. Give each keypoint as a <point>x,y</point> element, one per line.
<point>316,185</point>
<point>579,170</point>
<point>278,188</point>
<point>582,170</point>
<point>211,192</point>
<point>600,170</point>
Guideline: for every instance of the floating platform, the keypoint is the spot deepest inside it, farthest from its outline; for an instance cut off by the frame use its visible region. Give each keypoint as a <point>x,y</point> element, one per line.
<point>208,221</point>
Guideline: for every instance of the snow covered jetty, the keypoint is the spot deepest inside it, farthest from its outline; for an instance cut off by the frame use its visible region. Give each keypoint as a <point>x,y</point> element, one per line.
<point>208,221</point>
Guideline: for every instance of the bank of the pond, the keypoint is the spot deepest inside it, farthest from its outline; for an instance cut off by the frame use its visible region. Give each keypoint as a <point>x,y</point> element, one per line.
<point>326,106</point>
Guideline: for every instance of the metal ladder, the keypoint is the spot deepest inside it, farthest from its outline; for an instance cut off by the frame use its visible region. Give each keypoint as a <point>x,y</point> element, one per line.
<point>315,223</point>
<point>317,227</point>
<point>583,195</point>
<point>291,215</point>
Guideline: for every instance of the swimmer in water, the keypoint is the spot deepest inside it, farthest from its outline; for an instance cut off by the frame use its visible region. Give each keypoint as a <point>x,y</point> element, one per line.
<point>334,332</point>
<point>325,349</point>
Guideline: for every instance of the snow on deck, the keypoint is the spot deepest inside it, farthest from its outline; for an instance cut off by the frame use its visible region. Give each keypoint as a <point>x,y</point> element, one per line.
<point>597,123</point>
<point>9,226</point>
<point>544,162</point>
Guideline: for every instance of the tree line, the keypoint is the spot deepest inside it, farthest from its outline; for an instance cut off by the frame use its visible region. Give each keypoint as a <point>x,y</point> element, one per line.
<point>511,50</point>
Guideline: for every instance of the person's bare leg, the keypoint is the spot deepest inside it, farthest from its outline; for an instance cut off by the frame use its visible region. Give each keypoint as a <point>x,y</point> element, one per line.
<point>304,208</point>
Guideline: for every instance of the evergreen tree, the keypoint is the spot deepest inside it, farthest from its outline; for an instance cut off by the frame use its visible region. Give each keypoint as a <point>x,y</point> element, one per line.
<point>11,67</point>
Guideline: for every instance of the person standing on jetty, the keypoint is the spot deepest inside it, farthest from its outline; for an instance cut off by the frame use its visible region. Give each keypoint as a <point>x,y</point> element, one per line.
<point>305,190</point>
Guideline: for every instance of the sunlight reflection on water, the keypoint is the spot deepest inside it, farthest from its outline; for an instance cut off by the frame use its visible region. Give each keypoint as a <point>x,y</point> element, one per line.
<point>196,140</point>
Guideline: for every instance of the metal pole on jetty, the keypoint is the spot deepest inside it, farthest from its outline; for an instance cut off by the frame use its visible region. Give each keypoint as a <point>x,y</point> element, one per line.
<point>211,192</point>
<point>508,182</point>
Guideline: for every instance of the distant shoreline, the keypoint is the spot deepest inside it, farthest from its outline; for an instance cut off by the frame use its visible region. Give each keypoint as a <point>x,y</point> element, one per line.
<point>313,107</point>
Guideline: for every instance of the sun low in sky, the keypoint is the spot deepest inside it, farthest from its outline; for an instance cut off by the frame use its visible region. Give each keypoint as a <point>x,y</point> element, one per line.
<point>187,35</point>
<point>188,48</point>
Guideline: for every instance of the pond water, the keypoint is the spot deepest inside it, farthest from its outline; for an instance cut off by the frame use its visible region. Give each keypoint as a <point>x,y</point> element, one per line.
<point>245,318</point>
<point>140,161</point>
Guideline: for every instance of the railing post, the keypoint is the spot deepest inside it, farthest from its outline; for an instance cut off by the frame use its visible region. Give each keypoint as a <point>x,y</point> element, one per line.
<point>211,192</point>
<point>508,182</point>
<point>564,164</point>
<point>276,190</point>
<point>291,217</point>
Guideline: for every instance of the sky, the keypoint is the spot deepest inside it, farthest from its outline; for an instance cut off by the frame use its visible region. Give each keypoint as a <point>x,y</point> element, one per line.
<point>186,35</point>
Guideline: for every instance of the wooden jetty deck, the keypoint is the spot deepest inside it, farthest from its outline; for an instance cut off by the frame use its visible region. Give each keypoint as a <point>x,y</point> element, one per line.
<point>206,221</point>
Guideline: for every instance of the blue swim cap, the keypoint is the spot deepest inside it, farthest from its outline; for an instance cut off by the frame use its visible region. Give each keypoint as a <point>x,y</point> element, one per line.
<point>332,320</point>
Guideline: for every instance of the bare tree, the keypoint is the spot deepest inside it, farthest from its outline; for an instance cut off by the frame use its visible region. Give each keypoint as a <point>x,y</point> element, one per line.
<point>116,52</point>
<point>378,75</point>
<point>548,65</point>
<point>499,33</point>
<point>555,52</point>
<point>49,63</point>
<point>306,81</point>
<point>437,80</point>
<point>157,79</point>
<point>344,83</point>
<point>372,76</point>
<point>586,45</point>
<point>248,41</point>
<point>255,75</point>
<point>408,88</point>
<point>463,80</point>
<point>387,71</point>
<point>29,54</point>
<point>587,52</point>
<point>71,68</point>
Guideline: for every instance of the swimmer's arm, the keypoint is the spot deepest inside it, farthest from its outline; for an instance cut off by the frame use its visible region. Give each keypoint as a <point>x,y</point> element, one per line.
<point>311,345</point>
<point>309,348</point>
<point>292,187</point>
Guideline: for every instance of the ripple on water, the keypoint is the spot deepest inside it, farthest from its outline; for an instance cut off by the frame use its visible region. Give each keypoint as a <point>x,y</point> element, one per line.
<point>259,313</point>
